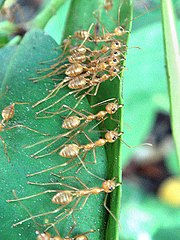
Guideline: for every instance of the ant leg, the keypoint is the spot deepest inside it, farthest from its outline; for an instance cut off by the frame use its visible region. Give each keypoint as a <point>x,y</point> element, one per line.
<point>73,177</point>
<point>87,35</point>
<point>59,100</point>
<point>67,169</point>
<point>49,139</point>
<point>53,183</point>
<point>96,90</point>
<point>48,75</point>
<point>83,165</point>
<point>59,220</point>
<point>39,215</point>
<point>90,94</point>
<point>143,144</point>
<point>61,55</point>
<point>83,110</point>
<point>83,96</point>
<point>85,233</point>
<point>113,119</point>
<point>105,205</point>
<point>52,67</point>
<point>31,196</point>
<point>83,204</point>
<point>5,148</point>
<point>43,141</point>
<point>47,154</point>
<point>4,93</point>
<point>50,169</point>
<point>72,228</point>
<point>59,111</point>
<point>67,108</point>
<point>25,208</point>
<point>52,94</point>
<point>99,122</point>
<point>30,129</point>
<point>55,150</point>
<point>104,102</point>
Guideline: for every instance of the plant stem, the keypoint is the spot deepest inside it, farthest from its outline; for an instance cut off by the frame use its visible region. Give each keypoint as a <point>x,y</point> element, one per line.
<point>8,28</point>
<point>44,16</point>
<point>172,51</point>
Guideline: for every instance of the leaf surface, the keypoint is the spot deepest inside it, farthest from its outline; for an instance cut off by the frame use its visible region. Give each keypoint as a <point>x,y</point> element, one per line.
<point>35,48</point>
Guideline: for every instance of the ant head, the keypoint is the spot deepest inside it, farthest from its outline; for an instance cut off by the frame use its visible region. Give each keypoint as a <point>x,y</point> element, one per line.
<point>111,108</point>
<point>82,237</point>
<point>114,61</point>
<point>43,236</point>
<point>114,71</point>
<point>109,185</point>
<point>119,31</point>
<point>111,136</point>
<point>116,53</point>
<point>115,45</point>
<point>66,42</point>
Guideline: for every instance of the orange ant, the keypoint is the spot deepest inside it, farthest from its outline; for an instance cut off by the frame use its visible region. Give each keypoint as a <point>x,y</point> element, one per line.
<point>65,197</point>
<point>7,114</point>
<point>94,82</point>
<point>46,235</point>
<point>83,35</point>
<point>108,4</point>
<point>74,121</point>
<point>74,68</point>
<point>80,81</point>
<point>73,151</point>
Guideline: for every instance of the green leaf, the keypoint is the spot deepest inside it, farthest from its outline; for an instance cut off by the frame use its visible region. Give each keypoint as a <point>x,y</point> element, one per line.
<point>172,52</point>
<point>3,40</point>
<point>2,3</point>
<point>107,90</point>
<point>55,26</point>
<point>22,66</point>
<point>6,54</point>
<point>113,151</point>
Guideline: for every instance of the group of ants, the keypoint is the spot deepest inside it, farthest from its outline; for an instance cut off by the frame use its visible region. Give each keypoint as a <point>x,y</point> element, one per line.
<point>85,70</point>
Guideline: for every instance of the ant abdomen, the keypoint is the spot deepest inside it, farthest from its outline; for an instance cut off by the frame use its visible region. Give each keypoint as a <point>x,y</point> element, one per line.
<point>77,58</point>
<point>8,112</point>
<point>77,83</point>
<point>71,122</point>
<point>74,70</point>
<point>83,34</point>
<point>69,151</point>
<point>63,197</point>
<point>81,238</point>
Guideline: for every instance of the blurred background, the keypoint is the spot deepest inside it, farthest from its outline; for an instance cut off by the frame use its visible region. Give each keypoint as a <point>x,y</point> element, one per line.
<point>151,186</point>
<point>151,183</point>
